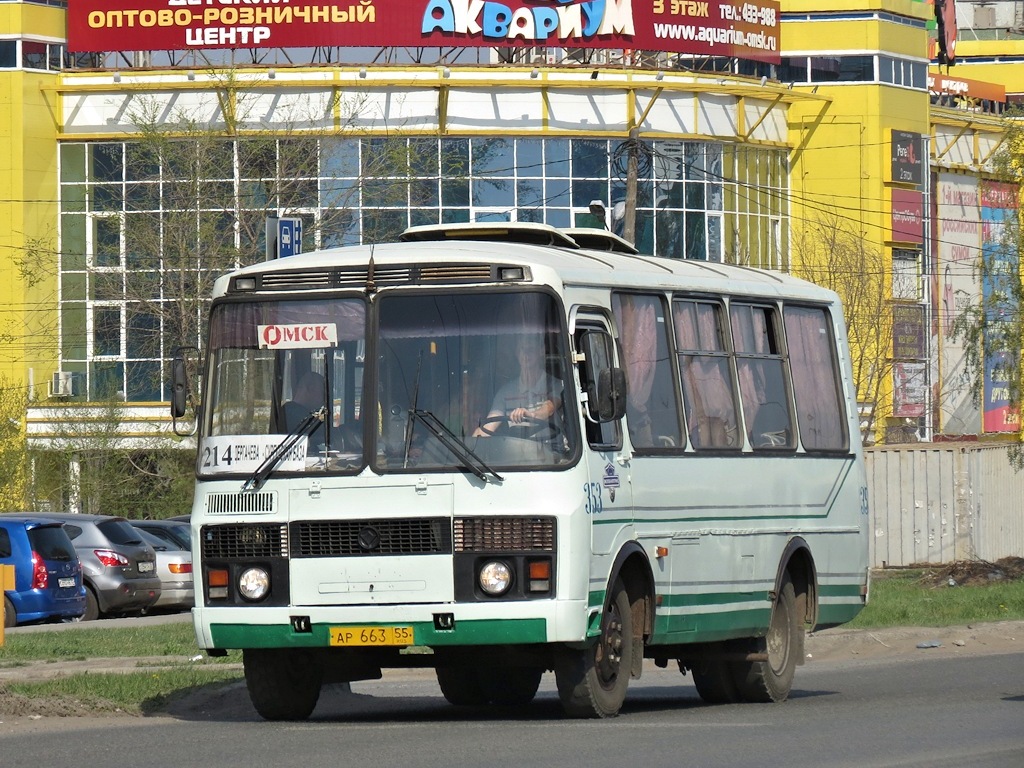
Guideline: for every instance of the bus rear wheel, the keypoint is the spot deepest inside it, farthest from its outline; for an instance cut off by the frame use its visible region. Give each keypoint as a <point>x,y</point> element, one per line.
<point>772,680</point>
<point>714,681</point>
<point>282,684</point>
<point>593,682</point>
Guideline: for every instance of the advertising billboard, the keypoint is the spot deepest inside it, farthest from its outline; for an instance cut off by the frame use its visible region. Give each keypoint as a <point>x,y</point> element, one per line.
<point>748,30</point>
<point>998,202</point>
<point>957,248</point>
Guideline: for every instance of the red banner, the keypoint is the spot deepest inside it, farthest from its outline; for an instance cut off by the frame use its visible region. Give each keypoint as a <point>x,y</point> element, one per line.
<point>907,216</point>
<point>748,30</point>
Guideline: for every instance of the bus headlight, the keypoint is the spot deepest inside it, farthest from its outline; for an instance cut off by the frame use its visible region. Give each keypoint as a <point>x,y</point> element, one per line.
<point>495,578</point>
<point>254,584</point>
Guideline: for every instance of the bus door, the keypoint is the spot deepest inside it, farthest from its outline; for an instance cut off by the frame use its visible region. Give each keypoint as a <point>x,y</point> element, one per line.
<point>607,489</point>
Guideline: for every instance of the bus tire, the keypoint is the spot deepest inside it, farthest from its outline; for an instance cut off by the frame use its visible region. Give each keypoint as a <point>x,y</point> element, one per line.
<point>511,686</point>
<point>772,680</point>
<point>461,686</point>
<point>282,684</point>
<point>593,682</point>
<point>714,681</point>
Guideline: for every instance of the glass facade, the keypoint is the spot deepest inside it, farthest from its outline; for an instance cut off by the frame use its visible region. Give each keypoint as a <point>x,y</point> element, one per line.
<point>147,225</point>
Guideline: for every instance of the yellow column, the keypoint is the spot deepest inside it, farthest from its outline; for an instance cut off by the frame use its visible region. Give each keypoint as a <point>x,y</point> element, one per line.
<point>6,582</point>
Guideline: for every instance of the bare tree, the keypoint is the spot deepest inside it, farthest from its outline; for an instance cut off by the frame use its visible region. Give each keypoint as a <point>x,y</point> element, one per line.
<point>832,253</point>
<point>13,454</point>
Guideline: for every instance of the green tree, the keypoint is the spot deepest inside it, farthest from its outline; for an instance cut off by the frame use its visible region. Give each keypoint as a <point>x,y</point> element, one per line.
<point>990,327</point>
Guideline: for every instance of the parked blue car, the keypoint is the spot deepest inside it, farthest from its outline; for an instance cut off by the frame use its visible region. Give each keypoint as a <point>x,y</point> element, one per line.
<point>47,572</point>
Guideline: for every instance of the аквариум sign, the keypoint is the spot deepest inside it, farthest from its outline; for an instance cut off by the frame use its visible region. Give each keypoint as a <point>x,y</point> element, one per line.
<point>748,30</point>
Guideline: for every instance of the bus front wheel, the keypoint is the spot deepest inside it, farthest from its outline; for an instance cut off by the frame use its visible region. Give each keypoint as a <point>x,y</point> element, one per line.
<point>771,680</point>
<point>282,684</point>
<point>461,686</point>
<point>593,682</point>
<point>475,686</point>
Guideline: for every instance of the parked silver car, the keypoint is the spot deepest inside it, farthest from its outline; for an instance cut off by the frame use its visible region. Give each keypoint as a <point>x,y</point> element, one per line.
<point>118,567</point>
<point>173,566</point>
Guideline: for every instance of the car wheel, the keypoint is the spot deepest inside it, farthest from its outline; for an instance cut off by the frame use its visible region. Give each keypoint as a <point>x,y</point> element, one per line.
<point>10,615</point>
<point>92,606</point>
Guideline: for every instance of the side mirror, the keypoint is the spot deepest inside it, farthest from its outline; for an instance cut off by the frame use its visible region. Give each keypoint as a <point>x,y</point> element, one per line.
<point>611,394</point>
<point>182,396</point>
<point>179,388</point>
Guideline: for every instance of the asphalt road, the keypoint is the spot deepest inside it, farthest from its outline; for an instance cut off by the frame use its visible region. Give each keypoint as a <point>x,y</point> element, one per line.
<point>907,711</point>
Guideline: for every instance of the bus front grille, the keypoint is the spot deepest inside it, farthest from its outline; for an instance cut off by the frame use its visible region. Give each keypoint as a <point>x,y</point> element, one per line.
<point>262,502</point>
<point>504,534</point>
<point>227,542</point>
<point>360,538</point>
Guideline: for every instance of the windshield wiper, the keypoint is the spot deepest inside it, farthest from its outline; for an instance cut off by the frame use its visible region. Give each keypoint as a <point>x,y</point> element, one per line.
<point>307,427</point>
<point>454,443</point>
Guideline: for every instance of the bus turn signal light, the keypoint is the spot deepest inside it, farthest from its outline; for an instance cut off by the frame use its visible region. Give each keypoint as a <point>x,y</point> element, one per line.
<point>540,575</point>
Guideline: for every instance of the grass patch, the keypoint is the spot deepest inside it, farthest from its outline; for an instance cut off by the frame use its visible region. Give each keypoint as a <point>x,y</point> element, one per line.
<point>94,641</point>
<point>920,598</point>
<point>132,693</point>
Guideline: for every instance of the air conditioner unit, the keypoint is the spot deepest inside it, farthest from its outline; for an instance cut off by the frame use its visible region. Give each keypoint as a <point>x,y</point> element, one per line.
<point>63,384</point>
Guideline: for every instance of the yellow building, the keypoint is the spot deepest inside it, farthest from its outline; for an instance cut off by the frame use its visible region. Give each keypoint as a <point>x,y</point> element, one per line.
<point>30,53</point>
<point>826,165</point>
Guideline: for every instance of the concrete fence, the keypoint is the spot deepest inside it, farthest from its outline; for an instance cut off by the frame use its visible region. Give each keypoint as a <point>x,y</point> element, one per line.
<point>940,502</point>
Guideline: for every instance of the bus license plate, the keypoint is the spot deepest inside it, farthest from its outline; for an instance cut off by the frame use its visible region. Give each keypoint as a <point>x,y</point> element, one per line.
<point>353,636</point>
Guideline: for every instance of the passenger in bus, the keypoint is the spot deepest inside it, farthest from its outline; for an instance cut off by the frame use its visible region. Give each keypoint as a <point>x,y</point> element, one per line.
<point>307,397</point>
<point>532,399</point>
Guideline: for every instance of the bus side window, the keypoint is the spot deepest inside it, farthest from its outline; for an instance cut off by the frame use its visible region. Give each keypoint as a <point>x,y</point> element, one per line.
<point>764,392</point>
<point>708,388</point>
<point>820,411</point>
<point>596,347</point>
<point>652,410</point>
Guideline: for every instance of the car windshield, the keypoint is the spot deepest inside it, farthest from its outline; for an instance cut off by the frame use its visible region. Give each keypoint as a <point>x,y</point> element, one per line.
<point>119,532</point>
<point>286,380</point>
<point>51,542</point>
<point>172,536</point>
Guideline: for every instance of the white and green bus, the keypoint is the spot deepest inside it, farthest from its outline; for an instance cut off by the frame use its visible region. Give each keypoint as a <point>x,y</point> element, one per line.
<point>681,481</point>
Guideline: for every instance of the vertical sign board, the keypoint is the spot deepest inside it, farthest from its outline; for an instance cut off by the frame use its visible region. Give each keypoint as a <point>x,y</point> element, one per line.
<point>998,202</point>
<point>907,215</point>
<point>907,162</point>
<point>957,248</point>
<point>284,237</point>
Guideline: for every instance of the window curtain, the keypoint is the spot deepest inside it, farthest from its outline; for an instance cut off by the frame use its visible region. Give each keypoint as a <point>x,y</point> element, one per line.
<point>637,317</point>
<point>819,409</point>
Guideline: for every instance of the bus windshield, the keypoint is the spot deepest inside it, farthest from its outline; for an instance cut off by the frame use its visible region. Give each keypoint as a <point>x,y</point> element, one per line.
<point>463,382</point>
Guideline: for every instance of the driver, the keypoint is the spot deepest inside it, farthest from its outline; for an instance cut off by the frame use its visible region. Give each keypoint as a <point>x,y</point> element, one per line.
<point>531,397</point>
<point>309,396</point>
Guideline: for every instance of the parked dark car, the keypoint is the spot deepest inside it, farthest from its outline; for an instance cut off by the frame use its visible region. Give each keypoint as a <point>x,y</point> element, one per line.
<point>47,572</point>
<point>177,533</point>
<point>118,566</point>
<point>173,566</point>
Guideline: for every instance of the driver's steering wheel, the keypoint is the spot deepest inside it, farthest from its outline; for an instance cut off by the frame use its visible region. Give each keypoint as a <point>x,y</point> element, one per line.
<point>534,428</point>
